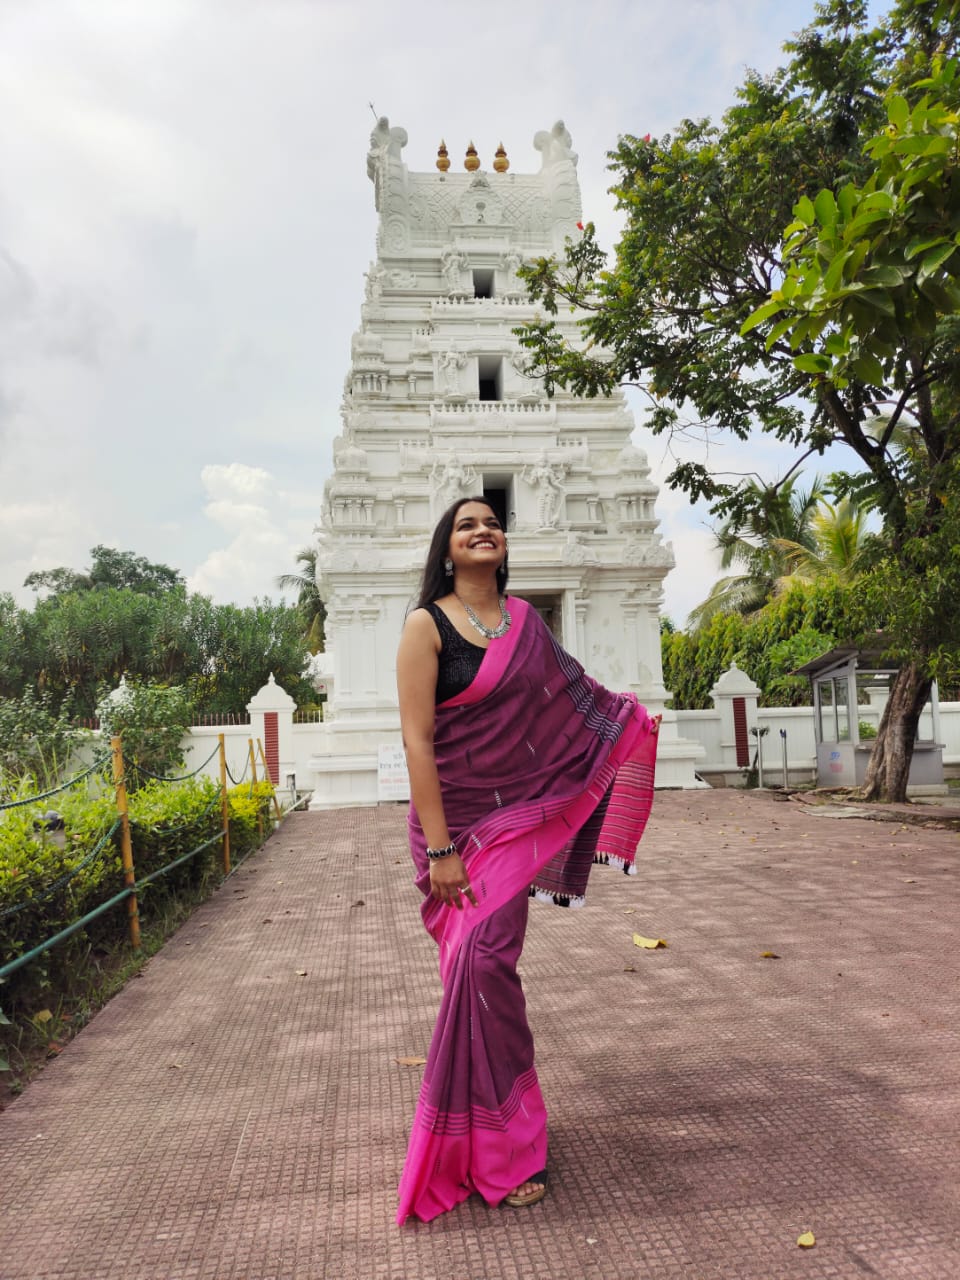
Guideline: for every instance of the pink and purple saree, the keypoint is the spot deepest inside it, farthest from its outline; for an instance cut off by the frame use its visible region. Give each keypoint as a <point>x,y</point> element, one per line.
<point>527,755</point>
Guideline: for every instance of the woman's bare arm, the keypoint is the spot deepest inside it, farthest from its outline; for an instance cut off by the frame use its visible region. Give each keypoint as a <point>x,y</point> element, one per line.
<point>417,660</point>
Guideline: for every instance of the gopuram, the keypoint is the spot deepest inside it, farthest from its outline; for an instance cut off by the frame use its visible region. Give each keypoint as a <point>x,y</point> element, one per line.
<point>436,405</point>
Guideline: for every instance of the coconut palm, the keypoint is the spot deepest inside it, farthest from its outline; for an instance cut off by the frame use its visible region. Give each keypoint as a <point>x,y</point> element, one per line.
<point>308,597</point>
<point>839,539</point>
<point>780,516</point>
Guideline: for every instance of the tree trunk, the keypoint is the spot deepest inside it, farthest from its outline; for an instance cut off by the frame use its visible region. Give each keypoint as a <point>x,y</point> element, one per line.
<point>889,765</point>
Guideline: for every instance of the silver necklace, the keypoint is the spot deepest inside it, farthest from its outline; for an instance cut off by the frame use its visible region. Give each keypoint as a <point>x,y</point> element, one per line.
<point>491,633</point>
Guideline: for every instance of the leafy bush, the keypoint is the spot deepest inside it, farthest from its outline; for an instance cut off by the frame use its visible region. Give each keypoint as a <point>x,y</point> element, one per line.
<point>806,620</point>
<point>49,879</point>
<point>36,743</point>
<point>152,720</point>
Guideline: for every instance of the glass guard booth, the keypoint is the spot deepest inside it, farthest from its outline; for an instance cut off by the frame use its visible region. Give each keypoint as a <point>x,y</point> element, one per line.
<point>850,689</point>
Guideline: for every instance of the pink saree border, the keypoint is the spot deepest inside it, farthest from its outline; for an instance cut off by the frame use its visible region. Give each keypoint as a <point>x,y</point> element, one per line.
<point>496,659</point>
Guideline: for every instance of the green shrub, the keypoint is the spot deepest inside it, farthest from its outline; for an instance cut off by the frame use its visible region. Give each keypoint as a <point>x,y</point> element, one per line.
<point>151,720</point>
<point>248,807</point>
<point>36,744</point>
<point>50,879</point>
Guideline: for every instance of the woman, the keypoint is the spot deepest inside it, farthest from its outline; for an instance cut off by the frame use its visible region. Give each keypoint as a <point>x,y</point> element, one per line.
<point>512,752</point>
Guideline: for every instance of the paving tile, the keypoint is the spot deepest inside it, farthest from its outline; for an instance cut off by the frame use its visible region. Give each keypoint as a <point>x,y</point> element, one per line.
<point>237,1113</point>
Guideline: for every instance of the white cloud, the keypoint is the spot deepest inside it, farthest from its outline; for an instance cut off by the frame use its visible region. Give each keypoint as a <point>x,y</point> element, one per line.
<point>185,220</point>
<point>237,481</point>
<point>265,525</point>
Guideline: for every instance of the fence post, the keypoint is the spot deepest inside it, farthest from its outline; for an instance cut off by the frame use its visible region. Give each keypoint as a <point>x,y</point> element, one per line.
<point>253,771</point>
<point>224,805</point>
<point>126,847</point>
<point>266,774</point>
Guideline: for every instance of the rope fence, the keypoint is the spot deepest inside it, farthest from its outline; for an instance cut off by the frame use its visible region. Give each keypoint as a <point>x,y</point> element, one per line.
<point>183,777</point>
<point>99,763</point>
<point>132,883</point>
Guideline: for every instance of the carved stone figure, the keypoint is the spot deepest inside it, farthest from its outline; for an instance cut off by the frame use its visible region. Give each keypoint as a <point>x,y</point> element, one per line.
<point>556,146</point>
<point>574,552</point>
<point>547,479</point>
<point>511,262</point>
<point>402,279</point>
<point>450,363</point>
<point>449,481</point>
<point>374,278</point>
<point>452,263</point>
<point>384,142</point>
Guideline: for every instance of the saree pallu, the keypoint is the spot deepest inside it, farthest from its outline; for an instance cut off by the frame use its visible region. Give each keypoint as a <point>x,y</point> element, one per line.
<point>527,756</point>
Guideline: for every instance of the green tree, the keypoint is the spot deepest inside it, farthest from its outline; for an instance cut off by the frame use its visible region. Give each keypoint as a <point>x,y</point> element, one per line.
<point>760,543</point>
<point>689,310</point>
<point>311,606</point>
<point>837,546</point>
<point>249,643</point>
<point>871,296</point>
<point>110,569</point>
<point>805,620</point>
<point>72,646</point>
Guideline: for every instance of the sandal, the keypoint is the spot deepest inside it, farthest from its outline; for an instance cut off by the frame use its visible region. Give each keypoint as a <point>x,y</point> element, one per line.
<point>531,1197</point>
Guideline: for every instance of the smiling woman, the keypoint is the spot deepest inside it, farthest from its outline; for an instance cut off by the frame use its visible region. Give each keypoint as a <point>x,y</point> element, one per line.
<point>512,752</point>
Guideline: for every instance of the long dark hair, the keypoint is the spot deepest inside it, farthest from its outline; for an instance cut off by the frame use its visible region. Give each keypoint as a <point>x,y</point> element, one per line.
<point>436,582</point>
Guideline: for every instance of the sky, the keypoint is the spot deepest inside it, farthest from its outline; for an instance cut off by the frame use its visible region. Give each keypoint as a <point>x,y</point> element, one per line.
<point>185,220</point>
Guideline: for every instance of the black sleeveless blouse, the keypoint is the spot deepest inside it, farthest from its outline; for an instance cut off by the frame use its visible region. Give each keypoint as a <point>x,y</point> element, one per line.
<point>459,660</point>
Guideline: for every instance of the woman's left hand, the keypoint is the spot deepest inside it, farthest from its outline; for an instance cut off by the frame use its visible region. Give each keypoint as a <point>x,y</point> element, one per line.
<point>449,882</point>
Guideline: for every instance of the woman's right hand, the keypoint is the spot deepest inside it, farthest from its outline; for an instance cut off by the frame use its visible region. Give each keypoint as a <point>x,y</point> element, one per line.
<point>449,882</point>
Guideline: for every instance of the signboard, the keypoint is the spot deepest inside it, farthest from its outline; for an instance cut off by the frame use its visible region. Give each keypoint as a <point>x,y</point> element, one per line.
<point>393,782</point>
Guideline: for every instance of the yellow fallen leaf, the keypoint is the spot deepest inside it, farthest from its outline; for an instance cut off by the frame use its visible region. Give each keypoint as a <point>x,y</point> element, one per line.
<point>769,955</point>
<point>410,1062</point>
<point>630,911</point>
<point>807,1240</point>
<point>649,944</point>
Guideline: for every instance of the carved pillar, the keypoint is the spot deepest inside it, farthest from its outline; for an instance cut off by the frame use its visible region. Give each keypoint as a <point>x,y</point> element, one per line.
<point>631,615</point>
<point>369,613</point>
<point>339,619</point>
<point>580,603</point>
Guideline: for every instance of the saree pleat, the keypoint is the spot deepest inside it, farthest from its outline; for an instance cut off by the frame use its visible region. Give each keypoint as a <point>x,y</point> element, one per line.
<point>527,758</point>
<point>481,1120</point>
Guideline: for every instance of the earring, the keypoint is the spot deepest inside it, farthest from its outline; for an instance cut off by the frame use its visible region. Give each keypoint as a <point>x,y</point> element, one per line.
<point>448,567</point>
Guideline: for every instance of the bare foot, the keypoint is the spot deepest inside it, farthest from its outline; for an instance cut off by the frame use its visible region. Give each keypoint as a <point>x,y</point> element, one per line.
<point>530,1192</point>
<point>526,1188</point>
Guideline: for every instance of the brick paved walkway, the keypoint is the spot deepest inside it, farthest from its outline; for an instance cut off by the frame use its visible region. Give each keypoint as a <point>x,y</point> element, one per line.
<point>237,1112</point>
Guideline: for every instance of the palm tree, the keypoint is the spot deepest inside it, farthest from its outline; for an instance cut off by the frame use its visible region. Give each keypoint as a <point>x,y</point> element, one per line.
<point>780,517</point>
<point>839,539</point>
<point>309,603</point>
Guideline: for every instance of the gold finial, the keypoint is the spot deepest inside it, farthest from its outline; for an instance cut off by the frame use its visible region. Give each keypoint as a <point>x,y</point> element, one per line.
<point>472,161</point>
<point>500,162</point>
<point>443,158</point>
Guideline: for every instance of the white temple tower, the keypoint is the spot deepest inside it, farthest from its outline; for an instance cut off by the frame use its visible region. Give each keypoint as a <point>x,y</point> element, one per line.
<point>436,405</point>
